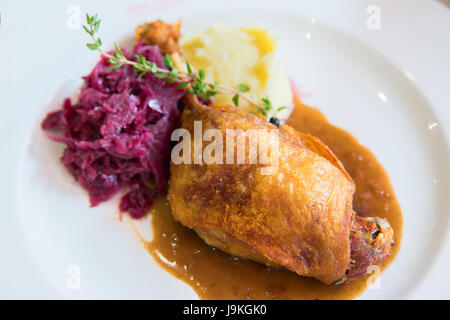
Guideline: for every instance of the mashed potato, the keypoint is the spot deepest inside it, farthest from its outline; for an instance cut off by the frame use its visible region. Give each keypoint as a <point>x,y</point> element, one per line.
<point>233,56</point>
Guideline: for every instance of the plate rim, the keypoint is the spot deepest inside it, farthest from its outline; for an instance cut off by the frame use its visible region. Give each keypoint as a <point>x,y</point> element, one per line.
<point>437,103</point>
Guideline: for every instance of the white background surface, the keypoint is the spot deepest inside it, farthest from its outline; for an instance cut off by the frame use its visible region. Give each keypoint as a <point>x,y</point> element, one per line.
<point>342,67</point>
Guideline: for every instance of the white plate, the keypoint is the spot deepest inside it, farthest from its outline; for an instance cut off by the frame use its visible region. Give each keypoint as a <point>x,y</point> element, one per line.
<point>388,86</point>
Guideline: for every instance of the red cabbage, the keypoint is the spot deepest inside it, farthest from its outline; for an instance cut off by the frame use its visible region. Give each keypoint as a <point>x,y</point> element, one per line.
<point>118,133</point>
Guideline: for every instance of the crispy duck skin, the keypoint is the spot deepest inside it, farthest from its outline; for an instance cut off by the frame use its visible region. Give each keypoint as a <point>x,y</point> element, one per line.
<point>314,233</point>
<point>300,218</point>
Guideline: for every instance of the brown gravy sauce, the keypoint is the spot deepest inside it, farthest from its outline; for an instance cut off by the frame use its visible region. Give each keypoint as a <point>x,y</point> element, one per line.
<point>214,274</point>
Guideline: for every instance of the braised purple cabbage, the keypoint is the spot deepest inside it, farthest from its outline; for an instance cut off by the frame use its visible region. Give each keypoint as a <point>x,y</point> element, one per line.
<point>118,133</point>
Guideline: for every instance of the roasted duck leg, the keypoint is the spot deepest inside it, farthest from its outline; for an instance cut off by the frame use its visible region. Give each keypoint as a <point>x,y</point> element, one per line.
<point>299,218</point>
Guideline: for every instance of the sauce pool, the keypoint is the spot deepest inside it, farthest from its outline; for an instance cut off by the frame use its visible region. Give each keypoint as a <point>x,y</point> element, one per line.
<point>214,274</point>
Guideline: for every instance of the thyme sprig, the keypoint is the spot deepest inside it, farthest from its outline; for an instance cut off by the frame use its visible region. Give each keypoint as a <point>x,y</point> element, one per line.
<point>193,81</point>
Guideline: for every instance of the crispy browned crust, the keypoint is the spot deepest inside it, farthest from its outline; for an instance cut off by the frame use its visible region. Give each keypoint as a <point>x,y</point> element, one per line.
<point>161,34</point>
<point>299,218</point>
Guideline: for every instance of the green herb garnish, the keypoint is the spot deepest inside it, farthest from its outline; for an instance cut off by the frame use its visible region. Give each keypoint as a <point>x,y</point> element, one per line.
<point>192,81</point>
<point>243,87</point>
<point>236,100</point>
